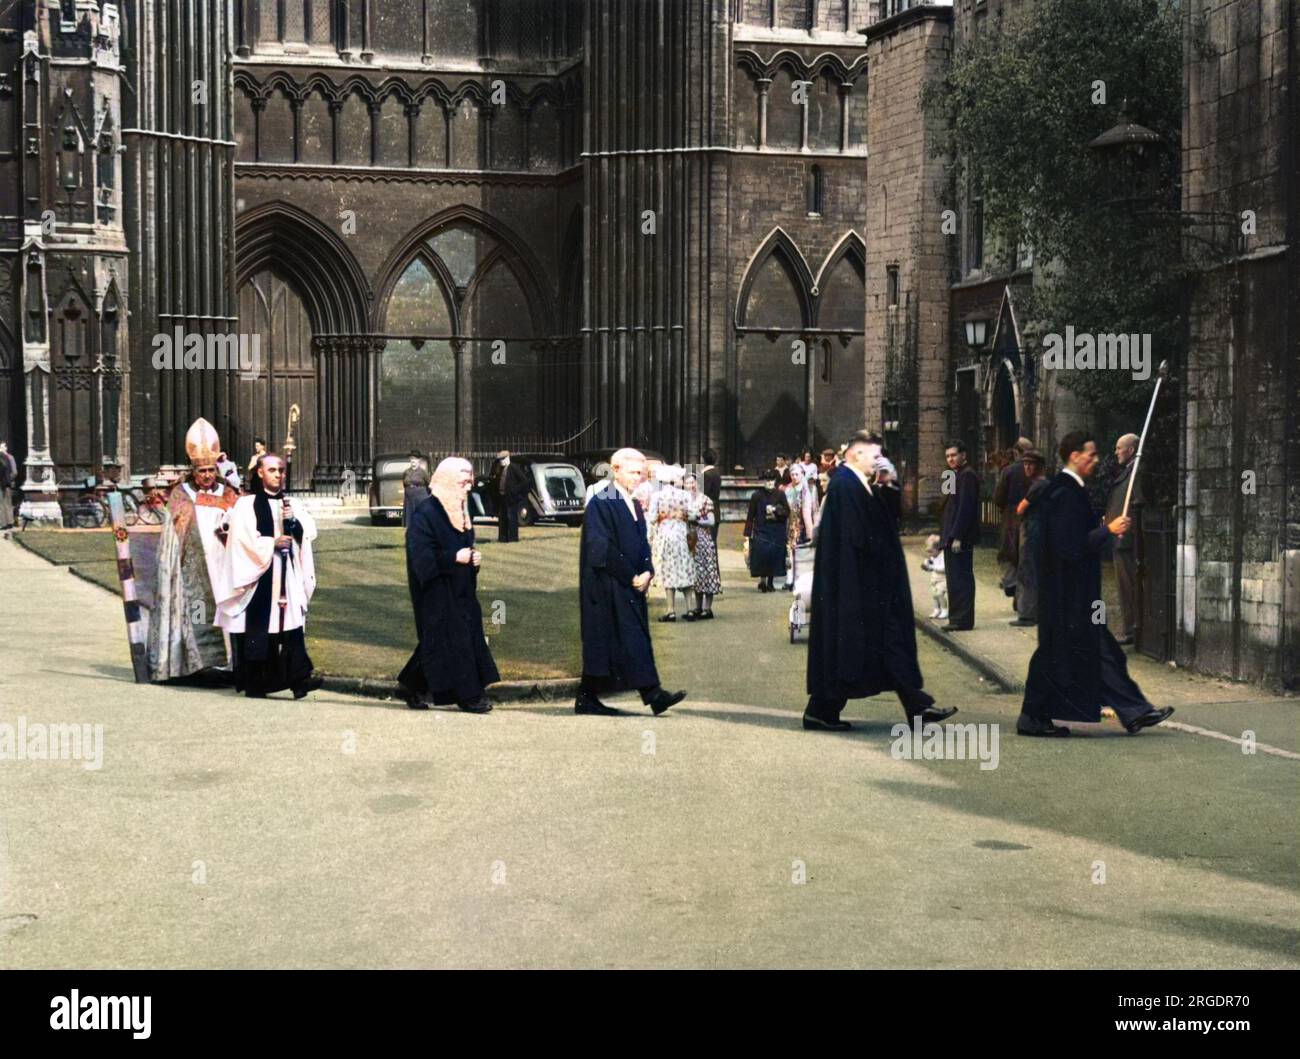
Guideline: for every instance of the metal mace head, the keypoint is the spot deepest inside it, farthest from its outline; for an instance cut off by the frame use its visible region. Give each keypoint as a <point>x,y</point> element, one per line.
<point>1162,372</point>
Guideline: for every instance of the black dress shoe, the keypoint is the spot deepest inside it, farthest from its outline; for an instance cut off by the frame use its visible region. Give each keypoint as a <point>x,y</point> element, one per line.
<point>663,699</point>
<point>309,685</point>
<point>690,615</point>
<point>956,628</point>
<point>706,615</point>
<point>936,715</point>
<point>1026,725</point>
<point>1125,642</point>
<point>668,617</point>
<point>591,706</point>
<point>1152,716</point>
<point>817,724</point>
<point>596,709</point>
<point>1021,623</point>
<point>482,706</point>
<point>695,615</point>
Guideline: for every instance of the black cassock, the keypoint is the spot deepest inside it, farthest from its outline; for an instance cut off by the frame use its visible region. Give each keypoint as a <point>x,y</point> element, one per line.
<point>616,646</point>
<point>862,639</point>
<point>1078,667</point>
<point>452,662</point>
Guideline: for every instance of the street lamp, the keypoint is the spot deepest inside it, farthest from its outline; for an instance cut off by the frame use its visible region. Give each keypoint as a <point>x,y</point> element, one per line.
<point>1130,153</point>
<point>976,330</point>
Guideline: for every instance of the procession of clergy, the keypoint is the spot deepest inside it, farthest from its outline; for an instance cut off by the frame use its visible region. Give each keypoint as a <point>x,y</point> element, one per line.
<point>249,560</point>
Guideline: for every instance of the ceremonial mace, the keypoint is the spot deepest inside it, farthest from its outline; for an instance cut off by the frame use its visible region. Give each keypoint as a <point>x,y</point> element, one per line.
<point>1162,373</point>
<point>286,512</point>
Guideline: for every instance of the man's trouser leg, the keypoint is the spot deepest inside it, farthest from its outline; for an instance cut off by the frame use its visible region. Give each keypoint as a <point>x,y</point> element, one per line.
<point>960,568</point>
<point>1126,581</point>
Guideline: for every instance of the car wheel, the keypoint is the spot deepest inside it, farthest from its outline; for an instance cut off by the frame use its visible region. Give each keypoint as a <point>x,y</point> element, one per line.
<point>378,520</point>
<point>527,516</point>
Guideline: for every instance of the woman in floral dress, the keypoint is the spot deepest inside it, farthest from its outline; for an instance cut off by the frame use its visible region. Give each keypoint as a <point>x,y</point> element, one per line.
<point>803,511</point>
<point>708,578</point>
<point>674,565</point>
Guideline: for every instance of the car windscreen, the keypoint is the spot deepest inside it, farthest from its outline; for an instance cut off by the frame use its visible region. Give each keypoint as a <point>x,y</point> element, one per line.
<point>394,468</point>
<point>559,481</point>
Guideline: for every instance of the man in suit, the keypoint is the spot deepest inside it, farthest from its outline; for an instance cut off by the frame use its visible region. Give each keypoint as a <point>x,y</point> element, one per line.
<point>512,492</point>
<point>1011,489</point>
<point>711,486</point>
<point>1078,667</point>
<point>863,639</point>
<point>1124,553</point>
<point>613,577</point>
<point>959,533</point>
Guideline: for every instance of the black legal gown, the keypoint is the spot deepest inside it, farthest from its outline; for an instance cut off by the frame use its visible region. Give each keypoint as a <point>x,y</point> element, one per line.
<point>452,662</point>
<point>862,640</point>
<point>615,620</point>
<point>1065,673</point>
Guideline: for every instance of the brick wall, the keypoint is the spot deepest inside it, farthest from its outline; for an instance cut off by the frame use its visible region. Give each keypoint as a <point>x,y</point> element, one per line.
<point>1239,550</point>
<point>907,347</point>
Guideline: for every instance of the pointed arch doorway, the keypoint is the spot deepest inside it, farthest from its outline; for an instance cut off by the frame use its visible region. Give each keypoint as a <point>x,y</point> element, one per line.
<point>271,310</point>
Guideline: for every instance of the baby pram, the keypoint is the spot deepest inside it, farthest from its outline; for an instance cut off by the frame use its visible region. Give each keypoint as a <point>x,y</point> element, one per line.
<point>801,576</point>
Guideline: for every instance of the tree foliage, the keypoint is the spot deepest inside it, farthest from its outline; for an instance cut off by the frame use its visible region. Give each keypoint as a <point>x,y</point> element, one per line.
<point>1020,110</point>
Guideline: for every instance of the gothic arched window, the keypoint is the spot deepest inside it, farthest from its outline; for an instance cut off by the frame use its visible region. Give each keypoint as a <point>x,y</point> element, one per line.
<point>816,190</point>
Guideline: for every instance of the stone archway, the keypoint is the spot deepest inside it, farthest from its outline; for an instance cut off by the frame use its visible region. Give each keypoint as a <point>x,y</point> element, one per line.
<point>303,294</point>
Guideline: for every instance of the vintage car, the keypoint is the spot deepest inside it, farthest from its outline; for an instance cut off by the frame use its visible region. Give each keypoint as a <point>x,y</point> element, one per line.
<point>556,489</point>
<point>386,491</point>
<point>594,465</point>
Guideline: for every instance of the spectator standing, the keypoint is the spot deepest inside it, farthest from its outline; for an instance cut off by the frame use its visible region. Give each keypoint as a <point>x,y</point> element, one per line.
<point>710,484</point>
<point>512,491</point>
<point>1011,488</point>
<point>415,486</point>
<point>8,483</point>
<point>960,533</point>
<point>1124,553</point>
<point>708,577</point>
<point>1030,539</point>
<point>765,532</point>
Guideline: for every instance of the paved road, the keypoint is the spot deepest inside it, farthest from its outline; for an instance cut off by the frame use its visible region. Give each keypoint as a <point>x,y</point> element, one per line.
<point>342,832</point>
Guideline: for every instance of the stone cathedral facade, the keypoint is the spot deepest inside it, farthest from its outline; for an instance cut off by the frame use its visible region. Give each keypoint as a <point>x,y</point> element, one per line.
<point>446,224</point>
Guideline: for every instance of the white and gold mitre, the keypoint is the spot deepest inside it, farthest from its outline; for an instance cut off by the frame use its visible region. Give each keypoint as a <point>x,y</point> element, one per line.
<point>202,444</point>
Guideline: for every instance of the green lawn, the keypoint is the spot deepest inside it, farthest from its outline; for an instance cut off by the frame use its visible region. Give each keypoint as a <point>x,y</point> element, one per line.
<point>360,623</point>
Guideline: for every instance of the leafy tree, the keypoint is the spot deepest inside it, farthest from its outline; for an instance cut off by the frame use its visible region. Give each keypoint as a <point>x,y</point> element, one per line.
<point>1021,106</point>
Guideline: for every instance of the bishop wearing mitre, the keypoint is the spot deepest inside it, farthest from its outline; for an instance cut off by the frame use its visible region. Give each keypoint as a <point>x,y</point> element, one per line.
<point>183,639</point>
<point>268,582</point>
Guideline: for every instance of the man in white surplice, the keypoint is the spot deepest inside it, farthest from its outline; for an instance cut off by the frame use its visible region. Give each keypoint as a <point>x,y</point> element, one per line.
<point>269,581</point>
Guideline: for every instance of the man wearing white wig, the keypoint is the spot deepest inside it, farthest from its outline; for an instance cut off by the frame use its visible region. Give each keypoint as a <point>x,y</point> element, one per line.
<point>270,578</point>
<point>613,577</point>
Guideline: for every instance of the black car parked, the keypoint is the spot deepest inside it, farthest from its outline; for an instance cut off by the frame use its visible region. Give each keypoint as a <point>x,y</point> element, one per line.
<point>556,489</point>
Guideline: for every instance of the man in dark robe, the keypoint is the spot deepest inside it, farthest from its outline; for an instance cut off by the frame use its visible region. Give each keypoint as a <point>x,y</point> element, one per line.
<point>452,662</point>
<point>863,639</point>
<point>959,533</point>
<point>1078,667</point>
<point>613,577</point>
<point>512,493</point>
